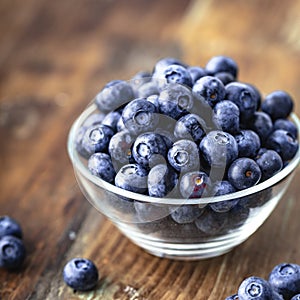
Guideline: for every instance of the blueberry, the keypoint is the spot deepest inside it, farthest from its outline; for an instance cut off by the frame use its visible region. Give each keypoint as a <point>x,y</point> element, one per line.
<point>162,179</point>
<point>225,77</point>
<point>244,173</point>
<point>93,119</point>
<point>139,79</point>
<point>186,213</point>
<point>244,96</point>
<point>119,148</point>
<point>80,274</point>
<point>132,177</point>
<point>100,165</point>
<point>111,120</point>
<point>12,252</point>
<point>285,279</point>
<point>283,143</point>
<point>196,73</point>
<point>286,125</point>
<point>170,109</point>
<point>256,288</point>
<point>149,212</point>
<point>248,143</point>
<point>180,94</point>
<point>220,188</point>
<point>194,184</point>
<point>278,105</point>
<point>262,124</point>
<point>257,199</point>
<point>149,149</point>
<point>163,63</point>
<point>9,226</point>
<point>147,89</point>
<point>269,162</point>
<point>219,148</point>
<point>183,156</point>
<point>114,95</point>
<point>190,126</point>
<point>296,297</point>
<point>222,63</point>
<point>236,216</point>
<point>139,116</point>
<point>209,89</point>
<point>226,116</point>
<point>96,139</point>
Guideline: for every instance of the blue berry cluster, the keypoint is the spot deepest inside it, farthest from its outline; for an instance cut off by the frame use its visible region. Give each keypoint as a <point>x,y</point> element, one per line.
<point>188,132</point>
<point>283,283</point>
<point>12,249</point>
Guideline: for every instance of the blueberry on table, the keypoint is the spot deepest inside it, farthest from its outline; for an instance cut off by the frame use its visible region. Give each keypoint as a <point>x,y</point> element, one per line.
<point>262,124</point>
<point>80,274</point>
<point>196,73</point>
<point>183,156</point>
<point>219,148</point>
<point>285,279</point>
<point>100,165</point>
<point>283,143</point>
<point>149,149</point>
<point>278,105</point>
<point>269,162</point>
<point>12,252</point>
<point>243,173</point>
<point>96,139</point>
<point>209,90</point>
<point>162,179</point>
<point>256,288</point>
<point>132,177</point>
<point>190,126</point>
<point>222,63</point>
<point>286,125</point>
<point>244,96</point>
<point>139,116</point>
<point>114,94</point>
<point>226,116</point>
<point>9,226</point>
<point>248,143</point>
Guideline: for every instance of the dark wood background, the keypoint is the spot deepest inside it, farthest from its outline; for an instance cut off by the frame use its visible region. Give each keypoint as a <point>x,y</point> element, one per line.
<point>54,57</point>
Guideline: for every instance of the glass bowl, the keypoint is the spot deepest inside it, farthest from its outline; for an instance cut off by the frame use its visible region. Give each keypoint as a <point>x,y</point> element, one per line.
<point>147,221</point>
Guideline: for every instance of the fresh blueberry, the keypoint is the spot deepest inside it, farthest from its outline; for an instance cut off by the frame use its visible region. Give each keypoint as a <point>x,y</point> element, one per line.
<point>12,252</point>
<point>147,89</point>
<point>180,94</point>
<point>196,73</point>
<point>139,79</point>
<point>225,77</point>
<point>244,96</point>
<point>100,165</point>
<point>149,149</point>
<point>243,173</point>
<point>248,143</point>
<point>162,179</point>
<point>278,105</point>
<point>209,89</point>
<point>220,188</point>
<point>132,177</point>
<point>256,288</point>
<point>186,213</point>
<point>170,110</point>
<point>190,126</point>
<point>219,148</point>
<point>9,226</point>
<point>296,297</point>
<point>119,148</point>
<point>236,216</point>
<point>257,199</point>
<point>226,116</point>
<point>285,279</point>
<point>149,212</point>
<point>114,95</point>
<point>194,184</point>
<point>269,162</point>
<point>139,116</point>
<point>286,125</point>
<point>183,156</point>
<point>283,143</point>
<point>165,62</point>
<point>262,124</point>
<point>80,274</point>
<point>222,63</point>
<point>111,120</point>
<point>96,139</point>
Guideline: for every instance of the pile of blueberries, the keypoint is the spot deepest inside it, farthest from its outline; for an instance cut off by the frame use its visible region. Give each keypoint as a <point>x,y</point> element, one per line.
<point>283,284</point>
<point>188,132</point>
<point>12,249</point>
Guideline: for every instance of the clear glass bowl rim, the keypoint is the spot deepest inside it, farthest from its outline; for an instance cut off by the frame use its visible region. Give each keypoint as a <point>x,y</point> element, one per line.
<point>80,167</point>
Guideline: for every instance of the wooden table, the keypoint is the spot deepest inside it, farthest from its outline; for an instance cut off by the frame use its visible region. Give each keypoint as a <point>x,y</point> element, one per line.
<point>54,57</point>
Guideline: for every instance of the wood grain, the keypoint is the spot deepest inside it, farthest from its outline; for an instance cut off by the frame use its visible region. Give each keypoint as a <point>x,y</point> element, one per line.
<point>54,57</point>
